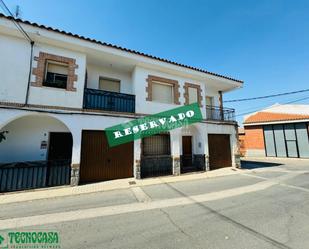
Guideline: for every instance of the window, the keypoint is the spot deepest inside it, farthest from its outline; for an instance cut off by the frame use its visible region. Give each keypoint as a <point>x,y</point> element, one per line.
<point>162,92</point>
<point>56,74</point>
<point>110,85</point>
<point>156,145</point>
<point>193,95</point>
<point>55,71</point>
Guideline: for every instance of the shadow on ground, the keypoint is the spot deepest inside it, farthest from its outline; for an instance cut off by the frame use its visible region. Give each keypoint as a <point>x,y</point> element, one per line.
<point>256,164</point>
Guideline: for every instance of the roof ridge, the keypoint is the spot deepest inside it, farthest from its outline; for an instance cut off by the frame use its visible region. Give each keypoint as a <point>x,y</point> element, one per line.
<point>263,117</point>
<point>118,47</point>
<point>285,113</point>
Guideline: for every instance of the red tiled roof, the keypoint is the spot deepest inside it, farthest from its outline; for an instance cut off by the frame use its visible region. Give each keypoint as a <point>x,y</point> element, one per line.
<point>118,47</point>
<point>263,117</point>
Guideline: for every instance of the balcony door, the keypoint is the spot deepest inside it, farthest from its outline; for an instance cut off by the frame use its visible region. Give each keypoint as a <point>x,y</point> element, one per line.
<point>209,106</point>
<point>110,85</point>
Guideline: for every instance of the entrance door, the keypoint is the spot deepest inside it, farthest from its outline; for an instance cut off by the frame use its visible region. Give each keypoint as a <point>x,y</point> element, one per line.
<point>187,145</point>
<point>60,146</point>
<point>186,158</point>
<point>99,162</point>
<point>59,156</point>
<point>156,157</point>
<point>219,151</point>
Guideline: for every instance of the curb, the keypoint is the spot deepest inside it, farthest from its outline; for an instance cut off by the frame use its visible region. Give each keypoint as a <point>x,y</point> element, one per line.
<point>47,193</point>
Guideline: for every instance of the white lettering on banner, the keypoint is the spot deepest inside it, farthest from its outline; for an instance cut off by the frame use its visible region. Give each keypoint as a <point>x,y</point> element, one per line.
<point>127,131</point>
<point>189,114</point>
<point>118,134</point>
<point>153,124</point>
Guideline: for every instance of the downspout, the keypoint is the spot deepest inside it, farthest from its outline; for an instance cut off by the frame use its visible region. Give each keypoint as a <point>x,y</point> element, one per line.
<point>29,76</point>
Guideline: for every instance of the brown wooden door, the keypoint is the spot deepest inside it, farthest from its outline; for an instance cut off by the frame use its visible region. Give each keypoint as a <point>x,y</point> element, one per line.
<point>187,145</point>
<point>186,157</point>
<point>219,151</point>
<point>99,162</point>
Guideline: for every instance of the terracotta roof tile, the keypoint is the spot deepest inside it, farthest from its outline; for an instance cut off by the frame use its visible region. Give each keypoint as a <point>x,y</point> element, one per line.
<point>118,47</point>
<point>263,117</point>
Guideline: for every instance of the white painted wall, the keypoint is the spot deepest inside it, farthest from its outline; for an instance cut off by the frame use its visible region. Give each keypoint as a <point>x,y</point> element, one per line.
<point>25,136</point>
<point>94,72</point>
<point>139,77</point>
<point>74,123</point>
<point>27,132</point>
<point>59,97</point>
<point>14,68</point>
<point>196,132</point>
<point>14,71</point>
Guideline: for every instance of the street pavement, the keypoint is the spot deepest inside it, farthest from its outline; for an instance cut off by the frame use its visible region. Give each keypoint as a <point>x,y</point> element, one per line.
<point>265,205</point>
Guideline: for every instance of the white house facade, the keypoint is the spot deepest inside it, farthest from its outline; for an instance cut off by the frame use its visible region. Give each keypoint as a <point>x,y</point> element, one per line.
<point>60,92</point>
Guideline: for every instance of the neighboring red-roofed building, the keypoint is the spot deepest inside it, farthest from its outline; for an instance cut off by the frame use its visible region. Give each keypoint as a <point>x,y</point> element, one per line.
<point>277,131</point>
<point>241,137</point>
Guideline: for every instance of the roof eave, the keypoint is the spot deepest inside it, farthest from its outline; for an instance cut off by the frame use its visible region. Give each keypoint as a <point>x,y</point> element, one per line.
<point>122,49</point>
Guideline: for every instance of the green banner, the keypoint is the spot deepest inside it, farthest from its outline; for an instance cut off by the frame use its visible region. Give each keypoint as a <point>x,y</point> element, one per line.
<point>154,124</point>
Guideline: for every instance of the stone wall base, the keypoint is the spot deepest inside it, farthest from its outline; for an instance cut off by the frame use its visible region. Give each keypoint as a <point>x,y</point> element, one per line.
<point>74,174</point>
<point>137,169</point>
<point>176,166</point>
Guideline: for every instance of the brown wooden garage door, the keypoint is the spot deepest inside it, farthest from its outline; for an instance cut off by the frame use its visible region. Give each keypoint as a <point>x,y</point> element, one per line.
<point>219,151</point>
<point>101,163</point>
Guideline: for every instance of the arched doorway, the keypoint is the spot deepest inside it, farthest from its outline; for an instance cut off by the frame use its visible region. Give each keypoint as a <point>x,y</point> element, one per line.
<point>36,153</point>
<point>192,151</point>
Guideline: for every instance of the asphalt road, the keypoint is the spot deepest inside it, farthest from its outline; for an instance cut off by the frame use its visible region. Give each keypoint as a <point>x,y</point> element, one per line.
<point>265,206</point>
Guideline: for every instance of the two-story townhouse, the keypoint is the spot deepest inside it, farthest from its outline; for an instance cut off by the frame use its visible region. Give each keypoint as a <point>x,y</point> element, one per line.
<point>60,91</point>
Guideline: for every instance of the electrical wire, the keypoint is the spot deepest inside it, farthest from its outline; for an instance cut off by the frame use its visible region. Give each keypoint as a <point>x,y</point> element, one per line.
<point>265,104</point>
<point>267,96</point>
<point>18,26</point>
<point>290,102</point>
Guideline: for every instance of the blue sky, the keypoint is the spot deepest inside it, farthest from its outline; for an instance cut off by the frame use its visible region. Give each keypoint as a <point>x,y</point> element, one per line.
<point>263,42</point>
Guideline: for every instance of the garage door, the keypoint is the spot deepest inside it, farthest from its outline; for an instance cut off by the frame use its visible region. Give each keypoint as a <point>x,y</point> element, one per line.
<point>219,151</point>
<point>101,163</point>
<point>288,140</point>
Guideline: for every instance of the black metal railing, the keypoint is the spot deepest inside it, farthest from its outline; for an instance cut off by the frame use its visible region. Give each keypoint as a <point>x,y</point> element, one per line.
<point>109,101</point>
<point>36,174</point>
<point>56,80</point>
<point>220,114</point>
<point>152,166</point>
<point>191,163</point>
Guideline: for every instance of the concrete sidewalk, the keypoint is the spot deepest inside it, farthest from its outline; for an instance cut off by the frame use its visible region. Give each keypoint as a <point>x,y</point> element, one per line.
<point>45,193</point>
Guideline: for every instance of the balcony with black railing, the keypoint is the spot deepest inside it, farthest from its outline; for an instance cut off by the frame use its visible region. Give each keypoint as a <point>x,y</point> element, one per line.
<point>216,113</point>
<point>108,101</point>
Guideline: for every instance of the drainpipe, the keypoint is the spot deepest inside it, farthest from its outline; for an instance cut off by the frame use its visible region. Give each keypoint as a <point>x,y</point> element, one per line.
<point>29,76</point>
